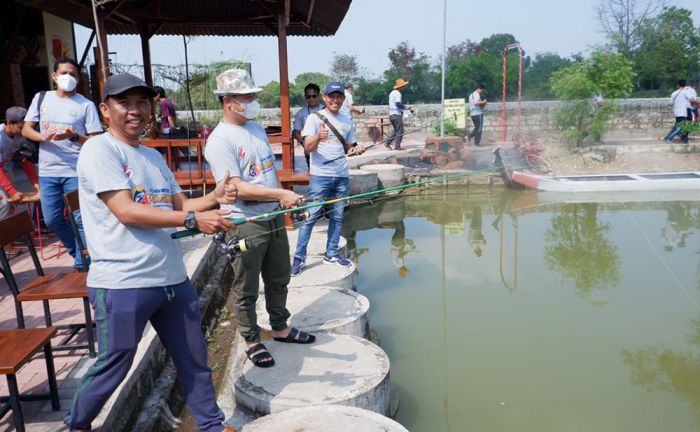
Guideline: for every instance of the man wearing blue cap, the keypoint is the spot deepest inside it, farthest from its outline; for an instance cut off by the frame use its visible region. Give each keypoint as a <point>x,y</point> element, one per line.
<point>328,137</point>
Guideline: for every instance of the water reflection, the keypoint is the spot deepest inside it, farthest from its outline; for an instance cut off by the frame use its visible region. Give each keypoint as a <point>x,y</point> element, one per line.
<point>534,356</point>
<point>578,249</point>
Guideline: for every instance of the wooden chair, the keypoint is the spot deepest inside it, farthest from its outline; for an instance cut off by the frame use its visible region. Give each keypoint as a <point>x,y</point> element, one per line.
<point>72,204</point>
<point>44,287</point>
<point>16,348</point>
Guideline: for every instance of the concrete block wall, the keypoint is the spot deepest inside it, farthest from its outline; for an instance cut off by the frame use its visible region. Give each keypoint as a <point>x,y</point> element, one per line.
<point>634,115</point>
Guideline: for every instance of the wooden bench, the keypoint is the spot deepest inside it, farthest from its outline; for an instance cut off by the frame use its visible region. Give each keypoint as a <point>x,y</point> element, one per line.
<point>16,349</point>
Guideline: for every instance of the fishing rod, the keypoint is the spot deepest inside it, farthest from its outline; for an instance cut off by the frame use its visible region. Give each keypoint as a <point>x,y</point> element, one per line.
<point>242,220</point>
<point>429,125</point>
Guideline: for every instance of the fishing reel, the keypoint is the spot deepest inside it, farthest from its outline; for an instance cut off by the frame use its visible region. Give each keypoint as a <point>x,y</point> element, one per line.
<point>300,216</point>
<point>235,247</point>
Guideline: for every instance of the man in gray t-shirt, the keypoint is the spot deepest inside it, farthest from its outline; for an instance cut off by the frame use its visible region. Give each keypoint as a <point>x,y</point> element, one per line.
<point>66,120</point>
<point>476,111</point>
<point>328,136</point>
<point>239,145</point>
<point>131,204</point>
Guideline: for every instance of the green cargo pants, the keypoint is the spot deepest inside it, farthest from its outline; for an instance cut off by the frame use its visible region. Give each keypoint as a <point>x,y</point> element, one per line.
<point>269,255</point>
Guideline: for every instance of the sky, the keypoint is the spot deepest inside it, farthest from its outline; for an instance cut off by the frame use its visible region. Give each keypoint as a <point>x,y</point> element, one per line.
<point>373,27</point>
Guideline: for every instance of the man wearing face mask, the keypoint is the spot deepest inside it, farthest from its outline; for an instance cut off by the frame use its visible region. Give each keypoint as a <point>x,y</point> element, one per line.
<point>66,120</point>
<point>240,146</point>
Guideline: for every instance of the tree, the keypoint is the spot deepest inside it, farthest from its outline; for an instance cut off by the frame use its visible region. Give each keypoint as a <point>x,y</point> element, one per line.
<point>577,248</point>
<point>669,49</point>
<point>583,84</point>
<point>344,67</point>
<point>270,96</point>
<point>414,67</point>
<point>537,76</point>
<point>620,20</point>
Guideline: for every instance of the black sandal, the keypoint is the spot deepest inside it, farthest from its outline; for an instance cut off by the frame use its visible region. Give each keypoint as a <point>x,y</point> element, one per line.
<point>297,336</point>
<point>262,359</point>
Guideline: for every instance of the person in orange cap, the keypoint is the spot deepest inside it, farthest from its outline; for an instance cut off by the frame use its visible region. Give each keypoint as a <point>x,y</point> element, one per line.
<point>396,108</point>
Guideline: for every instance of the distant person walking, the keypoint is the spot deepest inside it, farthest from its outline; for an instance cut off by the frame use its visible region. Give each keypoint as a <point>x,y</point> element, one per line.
<point>476,111</point>
<point>679,101</point>
<point>396,108</point>
<point>348,108</point>
<point>312,94</point>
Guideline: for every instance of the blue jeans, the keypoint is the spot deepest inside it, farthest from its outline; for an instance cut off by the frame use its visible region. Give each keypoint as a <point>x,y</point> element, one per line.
<point>324,188</point>
<point>53,208</point>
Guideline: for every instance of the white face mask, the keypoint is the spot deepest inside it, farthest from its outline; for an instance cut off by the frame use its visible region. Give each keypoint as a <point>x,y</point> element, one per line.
<point>66,82</point>
<point>250,109</point>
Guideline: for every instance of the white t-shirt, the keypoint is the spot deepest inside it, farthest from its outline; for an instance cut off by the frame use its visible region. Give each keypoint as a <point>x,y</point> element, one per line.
<point>59,158</point>
<point>345,109</point>
<point>679,99</point>
<point>475,109</point>
<point>394,97</point>
<point>127,256</point>
<point>246,153</point>
<point>330,149</point>
<point>691,94</point>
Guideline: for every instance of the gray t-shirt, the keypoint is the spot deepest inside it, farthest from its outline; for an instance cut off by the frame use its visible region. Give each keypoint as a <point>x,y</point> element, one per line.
<point>302,115</point>
<point>330,149</point>
<point>127,256</point>
<point>246,153</point>
<point>59,158</point>
<point>8,145</point>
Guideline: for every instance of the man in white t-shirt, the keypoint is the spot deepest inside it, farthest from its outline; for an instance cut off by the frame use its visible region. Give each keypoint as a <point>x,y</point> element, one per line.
<point>679,101</point>
<point>66,120</point>
<point>693,100</point>
<point>131,205</point>
<point>312,94</point>
<point>476,111</point>
<point>396,108</point>
<point>328,136</point>
<point>348,108</point>
<point>240,146</point>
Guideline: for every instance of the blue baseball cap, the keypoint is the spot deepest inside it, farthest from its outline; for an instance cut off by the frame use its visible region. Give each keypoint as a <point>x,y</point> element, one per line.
<point>334,87</point>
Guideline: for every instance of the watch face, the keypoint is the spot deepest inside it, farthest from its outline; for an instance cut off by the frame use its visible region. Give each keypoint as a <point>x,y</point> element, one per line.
<point>190,221</point>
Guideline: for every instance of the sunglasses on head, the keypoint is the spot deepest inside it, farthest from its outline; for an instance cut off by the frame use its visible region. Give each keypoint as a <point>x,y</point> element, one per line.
<point>313,96</point>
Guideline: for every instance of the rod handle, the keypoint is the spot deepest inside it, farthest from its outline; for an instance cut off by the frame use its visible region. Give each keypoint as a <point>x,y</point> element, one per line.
<point>184,233</point>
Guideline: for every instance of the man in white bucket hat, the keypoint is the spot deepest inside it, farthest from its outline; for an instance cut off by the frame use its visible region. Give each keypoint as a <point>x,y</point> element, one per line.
<point>240,146</point>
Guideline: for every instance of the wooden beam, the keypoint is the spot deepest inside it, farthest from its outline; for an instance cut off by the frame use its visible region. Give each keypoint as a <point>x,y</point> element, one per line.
<point>282,20</point>
<point>311,13</point>
<point>87,49</point>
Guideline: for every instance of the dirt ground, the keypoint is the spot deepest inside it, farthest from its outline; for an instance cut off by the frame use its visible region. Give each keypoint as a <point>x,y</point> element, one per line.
<point>622,156</point>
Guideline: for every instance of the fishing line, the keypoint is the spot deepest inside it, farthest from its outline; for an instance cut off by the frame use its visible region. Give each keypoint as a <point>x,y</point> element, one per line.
<point>663,261</point>
<point>242,220</point>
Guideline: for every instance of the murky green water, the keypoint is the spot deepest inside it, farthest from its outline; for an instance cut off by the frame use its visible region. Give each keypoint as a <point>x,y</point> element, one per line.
<point>502,313</point>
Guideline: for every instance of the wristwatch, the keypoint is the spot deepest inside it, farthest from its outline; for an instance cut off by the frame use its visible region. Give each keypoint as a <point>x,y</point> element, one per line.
<point>74,138</point>
<point>190,221</point>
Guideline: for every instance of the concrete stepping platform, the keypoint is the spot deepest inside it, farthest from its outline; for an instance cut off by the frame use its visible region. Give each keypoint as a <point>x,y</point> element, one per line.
<point>389,175</point>
<point>335,370</point>
<point>316,273</point>
<point>362,181</point>
<point>325,418</point>
<point>323,309</point>
<point>317,242</point>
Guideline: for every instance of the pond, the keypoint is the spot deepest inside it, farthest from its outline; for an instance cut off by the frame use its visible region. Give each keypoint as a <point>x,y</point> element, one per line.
<point>514,311</point>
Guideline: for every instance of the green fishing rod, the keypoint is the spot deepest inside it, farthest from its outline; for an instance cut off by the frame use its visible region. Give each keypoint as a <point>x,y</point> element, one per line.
<point>242,220</point>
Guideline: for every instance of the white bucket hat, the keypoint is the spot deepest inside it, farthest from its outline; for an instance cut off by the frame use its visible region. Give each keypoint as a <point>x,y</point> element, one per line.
<point>235,81</point>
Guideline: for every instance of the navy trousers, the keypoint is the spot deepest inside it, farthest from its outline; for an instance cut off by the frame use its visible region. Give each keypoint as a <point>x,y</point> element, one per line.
<point>121,316</point>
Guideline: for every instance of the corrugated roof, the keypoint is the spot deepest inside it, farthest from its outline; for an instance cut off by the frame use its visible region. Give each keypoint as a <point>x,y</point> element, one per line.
<point>203,17</point>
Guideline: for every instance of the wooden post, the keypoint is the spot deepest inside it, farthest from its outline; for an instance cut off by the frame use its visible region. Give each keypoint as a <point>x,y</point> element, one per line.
<point>282,21</point>
<point>148,74</point>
